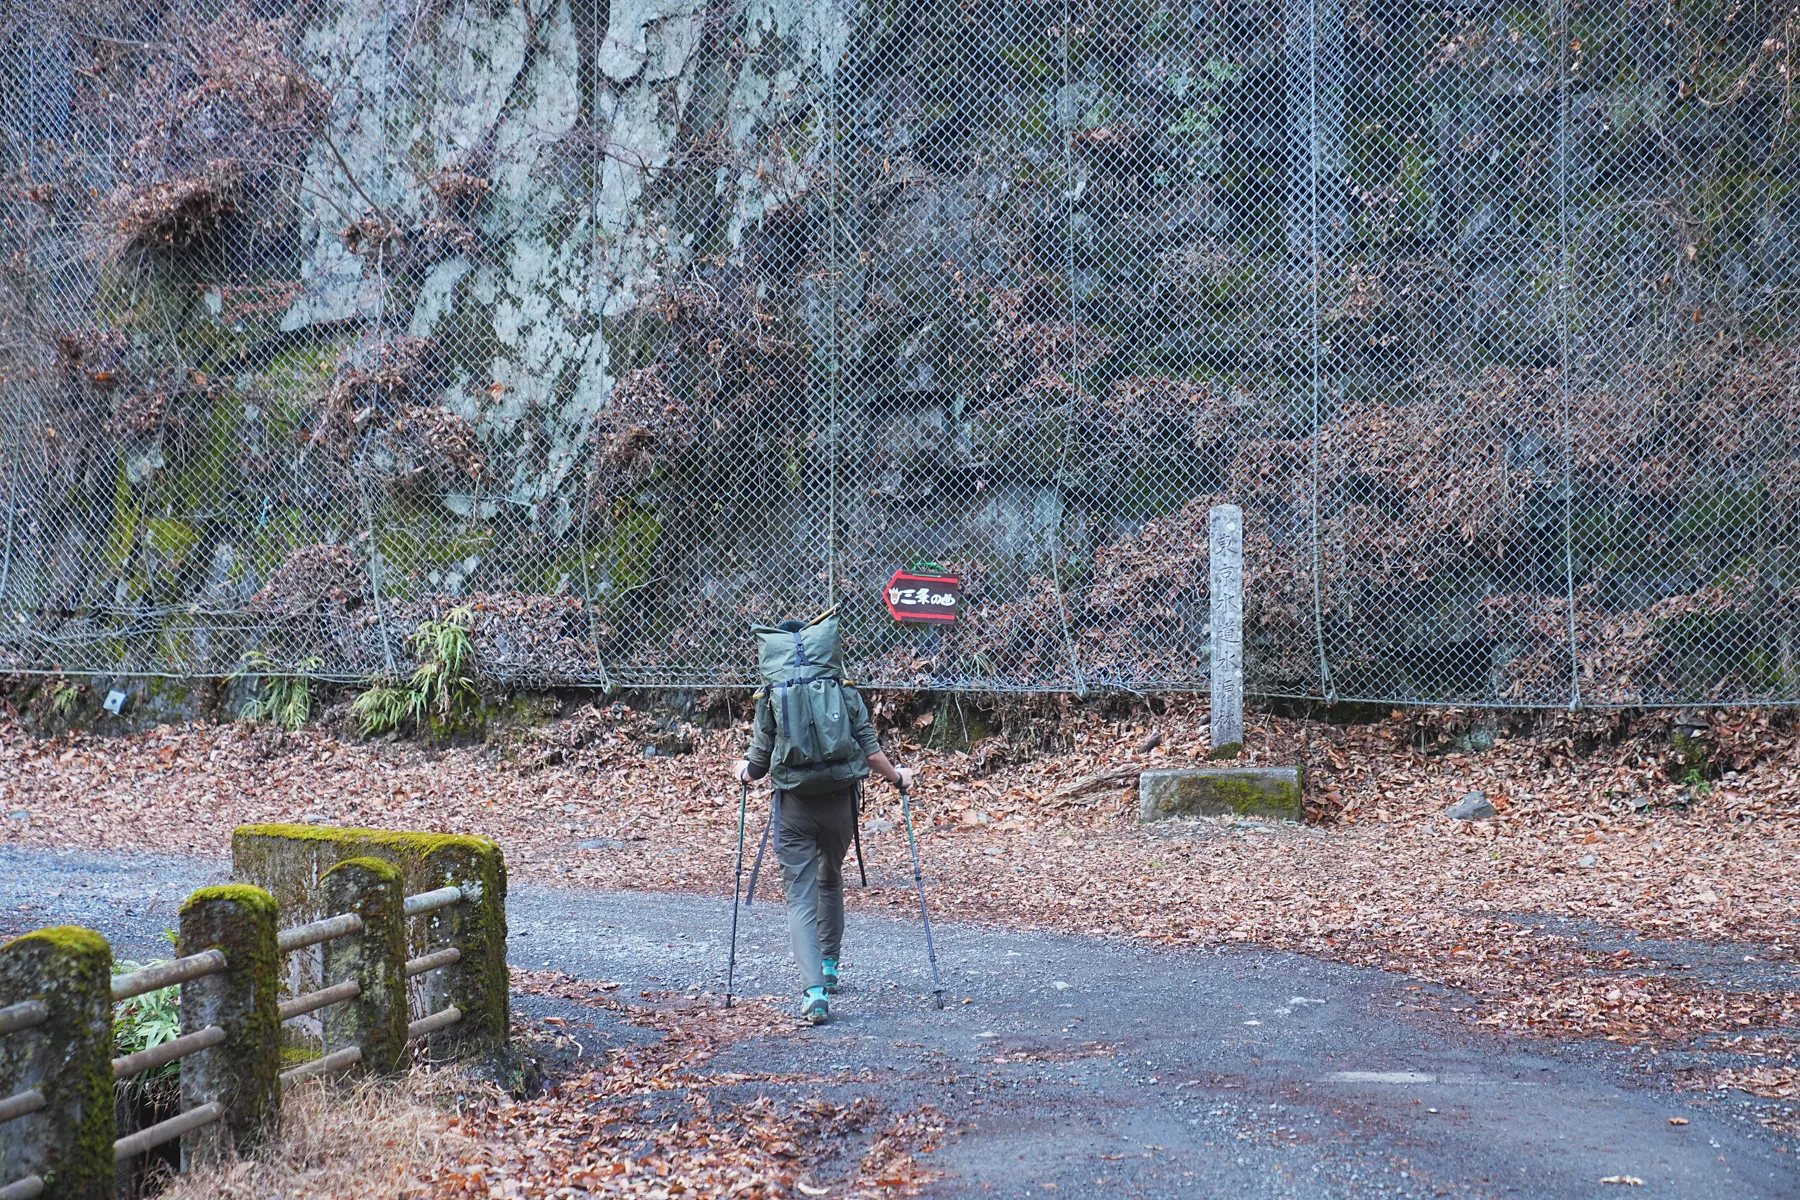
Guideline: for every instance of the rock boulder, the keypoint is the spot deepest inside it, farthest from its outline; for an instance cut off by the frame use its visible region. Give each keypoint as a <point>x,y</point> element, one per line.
<point>1222,791</point>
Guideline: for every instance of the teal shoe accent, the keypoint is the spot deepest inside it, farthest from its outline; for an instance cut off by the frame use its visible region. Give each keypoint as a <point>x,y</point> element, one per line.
<point>829,968</point>
<point>815,1008</point>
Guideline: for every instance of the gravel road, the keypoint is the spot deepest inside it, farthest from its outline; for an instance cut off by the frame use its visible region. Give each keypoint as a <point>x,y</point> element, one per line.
<point>1075,1066</point>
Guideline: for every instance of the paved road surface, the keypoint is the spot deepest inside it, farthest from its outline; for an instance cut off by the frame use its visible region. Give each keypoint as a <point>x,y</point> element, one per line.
<point>1103,1069</point>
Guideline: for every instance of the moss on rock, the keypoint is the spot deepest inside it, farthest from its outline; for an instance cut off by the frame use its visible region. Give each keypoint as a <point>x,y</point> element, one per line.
<point>478,984</point>
<point>257,902</point>
<point>1222,791</point>
<point>290,860</point>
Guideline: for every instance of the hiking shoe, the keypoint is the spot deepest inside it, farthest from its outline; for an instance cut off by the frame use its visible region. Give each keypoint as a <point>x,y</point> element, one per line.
<point>815,1009</point>
<point>829,968</point>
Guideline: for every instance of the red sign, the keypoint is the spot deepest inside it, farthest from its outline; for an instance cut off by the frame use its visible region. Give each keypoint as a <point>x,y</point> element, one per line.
<point>923,597</point>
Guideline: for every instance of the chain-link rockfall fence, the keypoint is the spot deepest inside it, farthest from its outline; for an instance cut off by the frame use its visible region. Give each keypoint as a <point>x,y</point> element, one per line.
<point>625,325</point>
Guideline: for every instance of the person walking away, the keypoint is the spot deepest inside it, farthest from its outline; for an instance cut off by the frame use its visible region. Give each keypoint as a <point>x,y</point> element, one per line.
<point>813,737</point>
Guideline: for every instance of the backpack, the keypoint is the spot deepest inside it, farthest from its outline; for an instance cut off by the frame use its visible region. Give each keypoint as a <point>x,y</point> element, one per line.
<point>803,676</point>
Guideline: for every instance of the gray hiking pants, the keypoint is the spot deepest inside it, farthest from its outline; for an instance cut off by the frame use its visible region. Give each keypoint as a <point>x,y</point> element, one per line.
<point>815,834</point>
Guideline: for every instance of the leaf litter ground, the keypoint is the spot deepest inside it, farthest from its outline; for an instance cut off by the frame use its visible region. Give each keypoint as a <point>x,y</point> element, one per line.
<point>653,1119</point>
<point>1604,836</point>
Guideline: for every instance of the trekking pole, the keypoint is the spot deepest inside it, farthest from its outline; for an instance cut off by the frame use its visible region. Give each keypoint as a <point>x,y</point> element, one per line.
<point>773,823</point>
<point>737,881</point>
<point>937,984</point>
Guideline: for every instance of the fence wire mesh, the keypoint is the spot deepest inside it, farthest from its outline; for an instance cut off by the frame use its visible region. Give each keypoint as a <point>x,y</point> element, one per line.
<point>626,325</point>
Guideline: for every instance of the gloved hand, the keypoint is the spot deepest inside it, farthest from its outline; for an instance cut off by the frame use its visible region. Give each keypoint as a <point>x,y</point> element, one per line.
<point>741,770</point>
<point>907,775</point>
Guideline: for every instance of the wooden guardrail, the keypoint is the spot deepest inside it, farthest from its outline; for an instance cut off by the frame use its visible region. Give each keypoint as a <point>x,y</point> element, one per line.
<point>57,992</point>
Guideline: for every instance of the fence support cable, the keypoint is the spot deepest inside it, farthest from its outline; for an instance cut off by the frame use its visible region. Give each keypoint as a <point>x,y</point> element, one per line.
<point>337,1060</point>
<point>1565,349</point>
<point>161,975</point>
<point>426,902</point>
<point>1315,254</point>
<point>28,1188</point>
<point>27,1014</point>
<point>312,934</point>
<point>433,1023</point>
<point>1074,392</point>
<point>834,360</point>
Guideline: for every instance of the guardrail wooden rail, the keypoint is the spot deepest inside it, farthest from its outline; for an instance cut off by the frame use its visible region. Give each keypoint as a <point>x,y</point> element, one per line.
<point>57,992</point>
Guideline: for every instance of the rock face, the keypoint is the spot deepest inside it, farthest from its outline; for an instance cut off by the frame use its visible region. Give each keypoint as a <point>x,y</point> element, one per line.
<point>693,312</point>
<point>1221,791</point>
<point>397,329</point>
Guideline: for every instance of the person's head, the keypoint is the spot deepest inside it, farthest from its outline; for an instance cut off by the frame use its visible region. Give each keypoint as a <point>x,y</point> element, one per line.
<point>791,626</point>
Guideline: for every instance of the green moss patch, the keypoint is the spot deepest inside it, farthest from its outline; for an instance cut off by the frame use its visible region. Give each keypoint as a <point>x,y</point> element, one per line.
<point>62,939</point>
<point>256,900</point>
<point>242,1074</point>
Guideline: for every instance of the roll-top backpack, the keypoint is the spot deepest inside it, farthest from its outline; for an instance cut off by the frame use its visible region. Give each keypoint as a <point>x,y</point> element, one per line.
<point>803,679</point>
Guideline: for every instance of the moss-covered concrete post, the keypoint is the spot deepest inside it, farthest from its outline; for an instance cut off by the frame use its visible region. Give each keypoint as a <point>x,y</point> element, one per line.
<point>292,861</point>
<point>477,983</point>
<point>243,1073</point>
<point>375,958</point>
<point>67,1058</point>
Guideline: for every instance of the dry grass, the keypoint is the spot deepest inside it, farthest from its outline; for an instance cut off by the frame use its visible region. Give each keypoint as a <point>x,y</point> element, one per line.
<point>373,1138</point>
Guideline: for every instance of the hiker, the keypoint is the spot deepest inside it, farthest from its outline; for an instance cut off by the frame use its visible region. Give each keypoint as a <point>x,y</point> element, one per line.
<point>814,738</point>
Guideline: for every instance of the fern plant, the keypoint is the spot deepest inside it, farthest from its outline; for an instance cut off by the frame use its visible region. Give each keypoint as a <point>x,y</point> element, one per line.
<point>445,679</point>
<point>282,698</point>
<point>145,1021</point>
<point>441,689</point>
<point>385,707</point>
<point>63,696</point>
